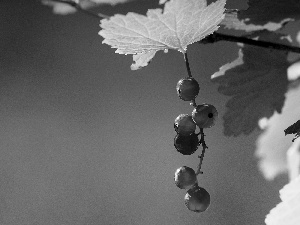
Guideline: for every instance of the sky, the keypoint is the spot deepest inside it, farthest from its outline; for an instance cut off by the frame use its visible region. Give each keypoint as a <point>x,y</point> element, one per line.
<point>84,140</point>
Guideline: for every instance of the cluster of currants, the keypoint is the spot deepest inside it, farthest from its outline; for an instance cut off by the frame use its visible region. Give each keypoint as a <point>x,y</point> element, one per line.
<point>186,142</point>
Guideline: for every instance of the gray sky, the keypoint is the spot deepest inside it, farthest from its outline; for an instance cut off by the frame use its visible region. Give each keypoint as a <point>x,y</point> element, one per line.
<point>86,141</point>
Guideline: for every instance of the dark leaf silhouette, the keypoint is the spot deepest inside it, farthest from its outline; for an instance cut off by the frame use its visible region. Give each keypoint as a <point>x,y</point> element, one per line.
<point>257,82</point>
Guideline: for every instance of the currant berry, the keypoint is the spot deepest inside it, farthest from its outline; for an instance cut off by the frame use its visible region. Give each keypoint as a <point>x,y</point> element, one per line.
<point>187,88</point>
<point>184,124</point>
<point>186,145</point>
<point>197,199</point>
<point>185,177</point>
<point>205,115</point>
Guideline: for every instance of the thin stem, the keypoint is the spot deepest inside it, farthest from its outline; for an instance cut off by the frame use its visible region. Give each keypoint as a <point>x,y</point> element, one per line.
<point>215,37</point>
<point>187,64</point>
<point>193,102</point>
<point>79,8</point>
<point>204,146</point>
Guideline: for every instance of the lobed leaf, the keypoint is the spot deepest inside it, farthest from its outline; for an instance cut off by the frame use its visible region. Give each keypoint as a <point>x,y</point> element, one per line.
<point>257,82</point>
<point>182,22</point>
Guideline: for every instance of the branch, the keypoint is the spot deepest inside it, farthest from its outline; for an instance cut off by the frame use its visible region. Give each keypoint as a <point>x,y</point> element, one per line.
<point>76,5</point>
<point>215,37</point>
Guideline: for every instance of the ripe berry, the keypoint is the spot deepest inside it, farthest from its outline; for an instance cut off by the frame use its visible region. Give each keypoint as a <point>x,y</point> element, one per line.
<point>187,88</point>
<point>197,199</point>
<point>205,115</point>
<point>186,145</point>
<point>184,124</point>
<point>185,177</point>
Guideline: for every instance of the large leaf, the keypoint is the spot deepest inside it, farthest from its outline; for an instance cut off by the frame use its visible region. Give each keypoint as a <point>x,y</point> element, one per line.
<point>182,22</point>
<point>257,82</point>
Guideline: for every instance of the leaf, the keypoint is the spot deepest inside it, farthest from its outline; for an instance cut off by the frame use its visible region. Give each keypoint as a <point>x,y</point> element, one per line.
<point>231,21</point>
<point>287,211</point>
<point>263,11</point>
<point>182,22</point>
<point>272,146</point>
<point>66,8</point>
<point>257,82</point>
<point>142,60</point>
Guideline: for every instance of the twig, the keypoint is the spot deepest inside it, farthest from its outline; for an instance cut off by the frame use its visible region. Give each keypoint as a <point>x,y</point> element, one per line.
<point>215,37</point>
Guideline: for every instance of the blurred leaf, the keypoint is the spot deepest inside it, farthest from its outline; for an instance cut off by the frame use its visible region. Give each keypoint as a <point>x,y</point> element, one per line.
<point>65,8</point>
<point>162,1</point>
<point>293,160</point>
<point>294,71</point>
<point>261,12</point>
<point>182,22</point>
<point>257,82</point>
<point>231,21</point>
<point>272,146</point>
<point>287,211</point>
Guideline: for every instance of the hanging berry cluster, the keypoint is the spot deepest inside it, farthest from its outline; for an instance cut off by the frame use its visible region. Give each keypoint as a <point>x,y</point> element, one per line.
<point>186,141</point>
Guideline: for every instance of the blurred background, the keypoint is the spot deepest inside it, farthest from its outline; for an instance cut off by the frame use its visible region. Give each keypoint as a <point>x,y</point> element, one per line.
<point>84,140</point>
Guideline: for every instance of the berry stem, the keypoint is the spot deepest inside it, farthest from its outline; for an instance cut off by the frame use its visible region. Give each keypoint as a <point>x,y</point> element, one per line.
<point>187,64</point>
<point>215,37</point>
<point>193,102</point>
<point>76,5</point>
<point>204,146</point>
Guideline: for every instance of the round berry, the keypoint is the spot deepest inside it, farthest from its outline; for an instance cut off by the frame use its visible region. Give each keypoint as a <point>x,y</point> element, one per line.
<point>197,199</point>
<point>184,124</point>
<point>187,88</point>
<point>185,177</point>
<point>205,115</point>
<point>186,145</point>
